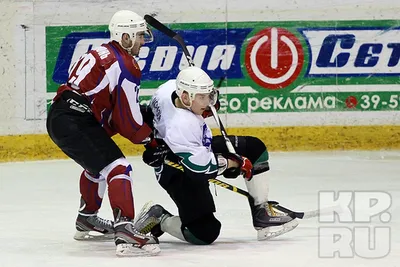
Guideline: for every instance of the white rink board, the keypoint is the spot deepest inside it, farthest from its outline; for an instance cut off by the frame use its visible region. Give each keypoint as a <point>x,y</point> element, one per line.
<point>22,60</point>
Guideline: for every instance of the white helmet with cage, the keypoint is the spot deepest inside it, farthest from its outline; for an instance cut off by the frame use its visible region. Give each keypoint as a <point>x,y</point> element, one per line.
<point>194,80</point>
<point>126,21</point>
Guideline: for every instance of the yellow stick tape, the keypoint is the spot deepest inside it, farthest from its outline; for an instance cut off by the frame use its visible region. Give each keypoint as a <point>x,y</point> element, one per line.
<point>40,147</point>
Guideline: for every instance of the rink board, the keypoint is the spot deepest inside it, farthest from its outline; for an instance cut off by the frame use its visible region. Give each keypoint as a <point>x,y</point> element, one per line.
<point>343,91</point>
<point>31,147</point>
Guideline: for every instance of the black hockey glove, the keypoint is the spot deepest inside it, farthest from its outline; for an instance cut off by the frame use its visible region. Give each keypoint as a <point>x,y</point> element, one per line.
<point>154,156</point>
<point>147,115</point>
<point>231,173</point>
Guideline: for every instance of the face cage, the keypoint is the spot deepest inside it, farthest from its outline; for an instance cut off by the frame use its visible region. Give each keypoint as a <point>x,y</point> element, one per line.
<point>148,38</point>
<point>212,95</point>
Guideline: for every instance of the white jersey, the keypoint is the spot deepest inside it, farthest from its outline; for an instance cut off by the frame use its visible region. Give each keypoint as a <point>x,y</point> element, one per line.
<point>186,133</point>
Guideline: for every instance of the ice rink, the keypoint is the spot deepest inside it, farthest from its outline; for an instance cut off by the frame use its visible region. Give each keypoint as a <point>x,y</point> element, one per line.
<point>39,202</point>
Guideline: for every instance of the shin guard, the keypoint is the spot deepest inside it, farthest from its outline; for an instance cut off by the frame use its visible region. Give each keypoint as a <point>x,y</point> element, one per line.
<point>119,182</point>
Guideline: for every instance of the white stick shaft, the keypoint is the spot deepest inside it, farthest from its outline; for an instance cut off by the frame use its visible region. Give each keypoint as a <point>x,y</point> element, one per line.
<point>221,128</point>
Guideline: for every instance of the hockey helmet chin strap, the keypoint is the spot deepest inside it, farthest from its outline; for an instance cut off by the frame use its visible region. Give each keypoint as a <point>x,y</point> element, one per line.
<point>189,107</point>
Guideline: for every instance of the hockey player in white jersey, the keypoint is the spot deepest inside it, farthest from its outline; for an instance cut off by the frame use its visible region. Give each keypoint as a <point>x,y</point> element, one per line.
<point>179,107</point>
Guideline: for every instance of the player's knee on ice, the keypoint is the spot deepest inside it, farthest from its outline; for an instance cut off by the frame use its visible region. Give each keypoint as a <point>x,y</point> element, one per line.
<point>203,231</point>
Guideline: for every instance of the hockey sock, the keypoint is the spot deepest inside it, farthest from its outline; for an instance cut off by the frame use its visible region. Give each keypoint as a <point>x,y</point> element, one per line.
<point>263,158</point>
<point>92,190</point>
<point>258,188</point>
<point>172,225</point>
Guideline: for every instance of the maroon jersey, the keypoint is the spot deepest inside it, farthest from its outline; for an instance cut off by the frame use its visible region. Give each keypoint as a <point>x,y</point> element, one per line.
<point>110,78</point>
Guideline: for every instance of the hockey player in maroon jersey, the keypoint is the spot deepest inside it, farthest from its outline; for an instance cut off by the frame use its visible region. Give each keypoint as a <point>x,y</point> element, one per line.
<point>99,100</point>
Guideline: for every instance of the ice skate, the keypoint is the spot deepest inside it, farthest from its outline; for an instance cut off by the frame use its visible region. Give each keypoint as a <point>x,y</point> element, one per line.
<point>90,227</point>
<point>131,243</point>
<point>149,219</point>
<point>269,223</point>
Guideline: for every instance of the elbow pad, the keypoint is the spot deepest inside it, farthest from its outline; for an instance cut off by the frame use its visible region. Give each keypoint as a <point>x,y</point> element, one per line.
<point>222,163</point>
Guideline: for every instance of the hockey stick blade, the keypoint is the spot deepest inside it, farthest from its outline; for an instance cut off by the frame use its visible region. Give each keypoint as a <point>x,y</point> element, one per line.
<point>159,26</point>
<point>321,212</point>
<point>170,33</point>
<point>308,214</point>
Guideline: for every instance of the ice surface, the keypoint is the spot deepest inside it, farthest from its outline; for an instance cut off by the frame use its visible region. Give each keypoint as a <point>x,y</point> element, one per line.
<point>39,201</point>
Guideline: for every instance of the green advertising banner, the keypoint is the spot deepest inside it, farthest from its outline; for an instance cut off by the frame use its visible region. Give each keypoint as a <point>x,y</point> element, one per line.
<point>297,66</point>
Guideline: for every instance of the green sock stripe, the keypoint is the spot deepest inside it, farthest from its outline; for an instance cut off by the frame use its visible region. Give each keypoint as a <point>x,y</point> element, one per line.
<point>191,238</point>
<point>263,158</point>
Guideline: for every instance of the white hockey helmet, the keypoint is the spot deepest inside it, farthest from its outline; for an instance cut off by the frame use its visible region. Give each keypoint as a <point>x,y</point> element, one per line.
<point>126,21</point>
<point>194,81</point>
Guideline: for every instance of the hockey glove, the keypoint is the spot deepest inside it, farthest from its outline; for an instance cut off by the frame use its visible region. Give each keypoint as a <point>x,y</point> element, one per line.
<point>231,173</point>
<point>147,115</point>
<point>245,166</point>
<point>154,156</point>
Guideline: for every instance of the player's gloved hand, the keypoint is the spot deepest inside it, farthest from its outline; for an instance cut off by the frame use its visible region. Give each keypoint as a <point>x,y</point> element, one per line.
<point>208,113</point>
<point>245,167</point>
<point>147,115</point>
<point>155,154</point>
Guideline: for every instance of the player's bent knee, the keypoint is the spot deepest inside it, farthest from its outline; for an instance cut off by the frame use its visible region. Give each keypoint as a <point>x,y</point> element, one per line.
<point>258,149</point>
<point>259,154</point>
<point>203,231</point>
<point>119,168</point>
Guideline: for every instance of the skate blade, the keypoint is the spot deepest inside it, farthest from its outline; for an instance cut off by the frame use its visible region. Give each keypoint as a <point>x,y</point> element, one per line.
<point>93,236</point>
<point>274,231</point>
<point>129,250</point>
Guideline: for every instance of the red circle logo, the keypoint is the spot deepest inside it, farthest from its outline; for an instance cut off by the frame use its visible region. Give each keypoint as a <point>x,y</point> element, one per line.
<point>351,102</point>
<point>274,58</point>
